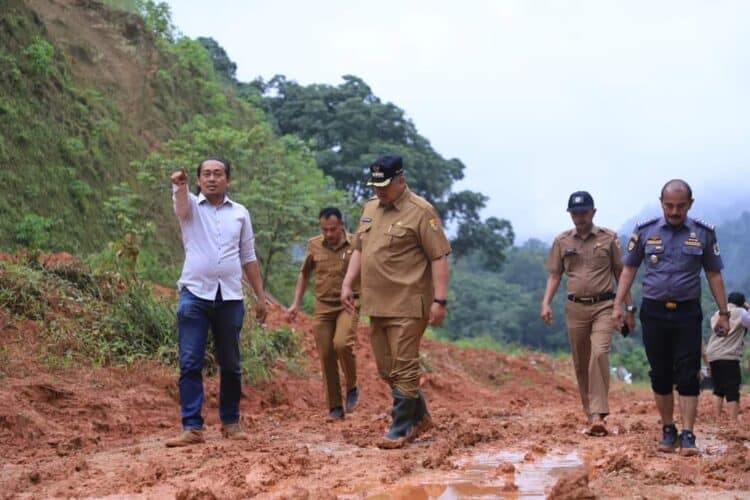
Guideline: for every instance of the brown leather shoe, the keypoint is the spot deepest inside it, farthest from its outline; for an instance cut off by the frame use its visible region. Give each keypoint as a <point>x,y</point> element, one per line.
<point>187,438</point>
<point>233,431</point>
<point>597,429</point>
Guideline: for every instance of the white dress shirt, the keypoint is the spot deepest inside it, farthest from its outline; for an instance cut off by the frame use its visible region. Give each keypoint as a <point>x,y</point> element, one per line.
<point>218,241</point>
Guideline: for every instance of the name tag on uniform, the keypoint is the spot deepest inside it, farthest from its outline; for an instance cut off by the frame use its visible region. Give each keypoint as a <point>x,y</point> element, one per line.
<point>570,251</point>
<point>366,219</point>
<point>692,242</point>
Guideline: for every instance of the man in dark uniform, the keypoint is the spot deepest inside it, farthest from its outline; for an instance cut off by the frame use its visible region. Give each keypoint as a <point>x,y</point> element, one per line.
<point>334,328</point>
<point>675,249</point>
<point>402,253</point>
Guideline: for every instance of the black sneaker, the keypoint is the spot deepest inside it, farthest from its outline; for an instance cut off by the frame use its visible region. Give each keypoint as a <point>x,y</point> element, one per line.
<point>668,441</point>
<point>687,444</point>
<point>352,397</point>
<point>336,414</point>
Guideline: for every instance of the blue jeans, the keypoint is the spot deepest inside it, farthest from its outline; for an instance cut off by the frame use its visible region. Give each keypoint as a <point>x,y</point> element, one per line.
<point>194,317</point>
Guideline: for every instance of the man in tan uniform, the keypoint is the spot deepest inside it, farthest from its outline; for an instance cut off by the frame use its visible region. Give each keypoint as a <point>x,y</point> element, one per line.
<point>335,328</point>
<point>591,257</point>
<point>402,253</point>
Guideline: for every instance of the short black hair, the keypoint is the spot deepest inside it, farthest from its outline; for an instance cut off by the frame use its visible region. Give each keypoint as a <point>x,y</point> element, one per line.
<point>330,212</point>
<point>226,163</point>
<point>737,299</point>
<point>677,183</point>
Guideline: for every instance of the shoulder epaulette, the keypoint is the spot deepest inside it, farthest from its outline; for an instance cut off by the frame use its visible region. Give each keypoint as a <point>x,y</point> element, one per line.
<point>609,231</point>
<point>315,238</point>
<point>704,224</point>
<point>420,202</point>
<point>646,222</point>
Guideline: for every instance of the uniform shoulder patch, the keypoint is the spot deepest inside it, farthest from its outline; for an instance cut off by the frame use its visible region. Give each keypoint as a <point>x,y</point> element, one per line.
<point>704,224</point>
<point>645,223</point>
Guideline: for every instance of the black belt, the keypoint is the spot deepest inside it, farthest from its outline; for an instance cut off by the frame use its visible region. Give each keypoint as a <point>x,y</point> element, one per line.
<point>673,305</point>
<point>591,300</point>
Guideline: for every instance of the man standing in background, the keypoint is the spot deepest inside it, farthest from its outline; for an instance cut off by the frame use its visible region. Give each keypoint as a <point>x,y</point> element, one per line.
<point>591,258</point>
<point>402,253</point>
<point>675,248</point>
<point>335,328</point>
<point>723,355</point>
<point>218,238</point>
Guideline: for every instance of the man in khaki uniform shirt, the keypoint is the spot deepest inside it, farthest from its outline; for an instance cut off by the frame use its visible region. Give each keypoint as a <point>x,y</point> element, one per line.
<point>591,257</point>
<point>401,251</point>
<point>335,328</point>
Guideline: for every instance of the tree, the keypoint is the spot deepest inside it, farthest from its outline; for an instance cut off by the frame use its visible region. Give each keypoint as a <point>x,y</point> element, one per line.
<point>225,68</point>
<point>275,178</point>
<point>347,126</point>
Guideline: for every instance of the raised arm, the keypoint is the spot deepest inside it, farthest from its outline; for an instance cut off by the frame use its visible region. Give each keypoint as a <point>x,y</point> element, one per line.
<point>180,194</point>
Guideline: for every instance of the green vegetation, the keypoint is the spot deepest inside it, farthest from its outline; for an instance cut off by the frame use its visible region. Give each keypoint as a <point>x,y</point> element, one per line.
<point>264,349</point>
<point>87,318</point>
<point>88,141</point>
<point>101,319</point>
<point>347,126</point>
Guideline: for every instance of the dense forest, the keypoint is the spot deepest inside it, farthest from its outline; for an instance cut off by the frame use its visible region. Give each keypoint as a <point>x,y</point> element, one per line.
<point>93,121</point>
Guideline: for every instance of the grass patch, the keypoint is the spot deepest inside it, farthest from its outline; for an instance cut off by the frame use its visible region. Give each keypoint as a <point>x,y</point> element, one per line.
<point>483,342</point>
<point>87,318</point>
<point>263,350</point>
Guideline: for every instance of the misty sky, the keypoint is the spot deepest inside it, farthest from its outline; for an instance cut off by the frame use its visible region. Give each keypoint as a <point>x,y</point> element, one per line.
<point>537,98</point>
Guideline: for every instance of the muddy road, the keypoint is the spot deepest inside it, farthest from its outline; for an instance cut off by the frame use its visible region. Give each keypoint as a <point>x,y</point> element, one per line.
<point>507,427</point>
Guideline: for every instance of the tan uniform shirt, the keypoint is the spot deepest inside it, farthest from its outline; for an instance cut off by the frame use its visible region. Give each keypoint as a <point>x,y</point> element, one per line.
<point>590,264</point>
<point>398,244</point>
<point>329,265</point>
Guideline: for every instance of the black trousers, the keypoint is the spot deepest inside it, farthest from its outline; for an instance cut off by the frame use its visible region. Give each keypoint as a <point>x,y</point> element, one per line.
<point>672,338</point>
<point>727,377</point>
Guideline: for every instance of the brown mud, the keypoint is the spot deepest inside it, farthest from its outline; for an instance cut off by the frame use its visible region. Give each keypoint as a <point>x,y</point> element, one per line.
<point>99,432</point>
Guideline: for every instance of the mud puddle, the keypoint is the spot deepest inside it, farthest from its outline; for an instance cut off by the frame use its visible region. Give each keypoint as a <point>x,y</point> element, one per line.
<point>516,475</point>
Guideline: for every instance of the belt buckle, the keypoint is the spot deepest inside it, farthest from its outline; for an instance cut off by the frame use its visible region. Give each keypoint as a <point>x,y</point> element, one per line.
<point>670,305</point>
<point>587,300</point>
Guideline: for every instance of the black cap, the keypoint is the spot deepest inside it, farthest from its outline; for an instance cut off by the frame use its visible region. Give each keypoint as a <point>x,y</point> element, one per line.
<point>580,201</point>
<point>384,169</point>
<point>736,298</point>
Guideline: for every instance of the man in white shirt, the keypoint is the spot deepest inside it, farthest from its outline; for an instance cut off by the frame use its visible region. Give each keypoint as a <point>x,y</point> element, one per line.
<point>218,238</point>
<point>723,354</point>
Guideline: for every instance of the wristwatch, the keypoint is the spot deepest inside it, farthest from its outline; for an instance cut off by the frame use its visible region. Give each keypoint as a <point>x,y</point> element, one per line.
<point>631,309</point>
<point>724,313</point>
<point>442,302</point>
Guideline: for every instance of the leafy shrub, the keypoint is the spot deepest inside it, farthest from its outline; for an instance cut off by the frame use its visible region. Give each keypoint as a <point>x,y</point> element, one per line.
<point>40,54</point>
<point>33,231</point>
<point>73,148</point>
<point>21,291</point>
<point>88,318</point>
<point>262,349</point>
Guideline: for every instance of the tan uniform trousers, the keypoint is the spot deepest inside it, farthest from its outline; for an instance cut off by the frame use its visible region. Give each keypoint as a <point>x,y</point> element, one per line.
<point>590,336</point>
<point>395,343</point>
<point>336,335</point>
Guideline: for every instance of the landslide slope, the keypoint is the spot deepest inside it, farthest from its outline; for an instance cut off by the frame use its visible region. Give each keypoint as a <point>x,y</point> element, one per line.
<point>85,91</point>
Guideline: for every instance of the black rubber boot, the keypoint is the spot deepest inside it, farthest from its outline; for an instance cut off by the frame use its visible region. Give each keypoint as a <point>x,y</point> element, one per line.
<point>424,421</point>
<point>403,425</point>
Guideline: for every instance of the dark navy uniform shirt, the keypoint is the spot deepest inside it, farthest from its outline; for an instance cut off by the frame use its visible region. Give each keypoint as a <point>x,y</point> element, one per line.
<point>674,257</point>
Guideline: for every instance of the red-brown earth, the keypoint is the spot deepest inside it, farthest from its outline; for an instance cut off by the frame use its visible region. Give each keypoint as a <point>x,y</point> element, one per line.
<point>97,432</point>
